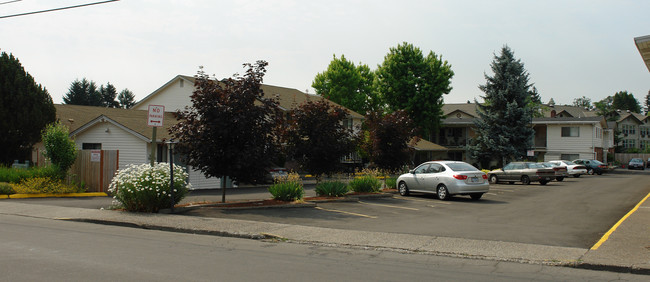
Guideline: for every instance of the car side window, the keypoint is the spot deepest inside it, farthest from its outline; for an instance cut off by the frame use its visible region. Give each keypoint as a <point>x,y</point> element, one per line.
<point>508,167</point>
<point>435,168</point>
<point>422,169</point>
<point>518,166</point>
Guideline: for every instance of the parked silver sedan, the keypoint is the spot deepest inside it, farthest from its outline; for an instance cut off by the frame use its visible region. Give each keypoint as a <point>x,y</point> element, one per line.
<point>445,179</point>
<point>524,172</point>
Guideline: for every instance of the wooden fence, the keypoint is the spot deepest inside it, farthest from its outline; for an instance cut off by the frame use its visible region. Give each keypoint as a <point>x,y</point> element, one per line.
<point>624,158</point>
<point>95,168</point>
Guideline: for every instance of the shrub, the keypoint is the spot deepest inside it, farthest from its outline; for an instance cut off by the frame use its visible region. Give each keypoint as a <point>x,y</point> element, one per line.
<point>391,182</point>
<point>37,185</point>
<point>287,188</point>
<point>16,175</point>
<point>6,189</point>
<point>331,189</point>
<point>59,148</point>
<point>365,184</point>
<point>145,188</point>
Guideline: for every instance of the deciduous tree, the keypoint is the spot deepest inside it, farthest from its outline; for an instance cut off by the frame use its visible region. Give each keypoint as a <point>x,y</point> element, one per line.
<point>230,128</point>
<point>348,85</point>
<point>316,137</point>
<point>410,81</point>
<point>25,109</point>
<point>389,137</point>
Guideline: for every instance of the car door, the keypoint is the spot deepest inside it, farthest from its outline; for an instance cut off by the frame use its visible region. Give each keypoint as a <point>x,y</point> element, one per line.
<point>419,177</point>
<point>515,172</point>
<point>507,172</point>
<point>433,177</point>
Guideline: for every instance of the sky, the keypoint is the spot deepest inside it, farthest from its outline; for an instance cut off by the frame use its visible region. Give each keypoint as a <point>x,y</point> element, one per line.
<point>570,48</point>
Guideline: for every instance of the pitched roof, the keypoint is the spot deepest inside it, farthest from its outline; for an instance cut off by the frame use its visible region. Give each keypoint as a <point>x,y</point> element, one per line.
<point>424,145</point>
<point>78,118</point>
<point>288,98</point>
<point>570,111</point>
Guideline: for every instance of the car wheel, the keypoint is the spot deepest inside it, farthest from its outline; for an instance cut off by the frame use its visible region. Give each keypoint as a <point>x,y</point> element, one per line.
<point>543,182</point>
<point>511,182</point>
<point>476,196</point>
<point>599,173</point>
<point>559,178</point>
<point>403,189</point>
<point>590,171</point>
<point>525,180</point>
<point>443,193</point>
<point>494,179</point>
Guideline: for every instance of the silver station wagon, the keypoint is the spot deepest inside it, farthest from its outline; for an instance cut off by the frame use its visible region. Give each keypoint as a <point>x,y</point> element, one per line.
<point>445,179</point>
<point>524,172</point>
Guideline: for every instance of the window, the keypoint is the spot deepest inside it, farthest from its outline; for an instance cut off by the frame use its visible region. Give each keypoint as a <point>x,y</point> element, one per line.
<point>629,129</point>
<point>422,169</point>
<point>570,131</point>
<point>629,143</point>
<point>91,146</point>
<point>181,82</point>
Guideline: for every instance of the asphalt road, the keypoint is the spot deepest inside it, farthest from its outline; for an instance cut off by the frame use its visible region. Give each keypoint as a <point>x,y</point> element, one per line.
<point>36,249</point>
<point>572,213</point>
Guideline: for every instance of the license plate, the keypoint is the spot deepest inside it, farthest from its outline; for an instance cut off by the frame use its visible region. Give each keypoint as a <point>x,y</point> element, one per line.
<point>474,179</point>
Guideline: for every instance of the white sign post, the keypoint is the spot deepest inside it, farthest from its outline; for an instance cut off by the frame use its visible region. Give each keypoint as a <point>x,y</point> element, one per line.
<point>156,115</point>
<point>155,120</point>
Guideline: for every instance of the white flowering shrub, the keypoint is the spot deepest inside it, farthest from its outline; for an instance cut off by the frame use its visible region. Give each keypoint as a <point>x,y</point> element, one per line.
<point>143,188</point>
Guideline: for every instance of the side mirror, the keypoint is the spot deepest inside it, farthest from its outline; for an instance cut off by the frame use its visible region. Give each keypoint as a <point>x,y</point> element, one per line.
<point>412,171</point>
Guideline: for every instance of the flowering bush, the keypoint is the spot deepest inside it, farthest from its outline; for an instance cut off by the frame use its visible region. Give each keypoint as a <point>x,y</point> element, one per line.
<point>287,188</point>
<point>37,185</point>
<point>145,188</point>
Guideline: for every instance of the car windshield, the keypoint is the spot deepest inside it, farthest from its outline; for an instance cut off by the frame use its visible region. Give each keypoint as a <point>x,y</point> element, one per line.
<point>568,162</point>
<point>535,165</point>
<point>596,162</point>
<point>636,161</point>
<point>461,167</point>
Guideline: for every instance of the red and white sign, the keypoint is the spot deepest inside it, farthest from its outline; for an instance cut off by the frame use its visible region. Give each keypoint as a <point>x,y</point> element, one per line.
<point>156,113</point>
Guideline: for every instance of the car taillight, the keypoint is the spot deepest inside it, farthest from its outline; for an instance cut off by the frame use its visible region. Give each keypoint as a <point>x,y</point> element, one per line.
<point>484,176</point>
<point>460,177</point>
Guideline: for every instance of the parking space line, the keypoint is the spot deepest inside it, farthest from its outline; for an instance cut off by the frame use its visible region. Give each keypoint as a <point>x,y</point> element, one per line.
<point>389,206</point>
<point>424,201</point>
<point>344,212</point>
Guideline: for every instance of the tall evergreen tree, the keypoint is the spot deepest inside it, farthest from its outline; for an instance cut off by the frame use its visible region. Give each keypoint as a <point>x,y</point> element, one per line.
<point>83,92</point>
<point>126,99</point>
<point>25,109</point>
<point>410,81</point>
<point>625,101</point>
<point>503,127</point>
<point>108,94</point>
<point>647,103</point>
<point>348,85</point>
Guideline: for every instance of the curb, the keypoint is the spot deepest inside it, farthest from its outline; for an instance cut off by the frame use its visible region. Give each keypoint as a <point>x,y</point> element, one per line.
<point>612,268</point>
<point>51,195</point>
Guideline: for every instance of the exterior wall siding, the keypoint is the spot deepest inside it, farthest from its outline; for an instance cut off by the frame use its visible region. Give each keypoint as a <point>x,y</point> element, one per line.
<point>132,149</point>
<point>173,97</point>
<point>558,145</point>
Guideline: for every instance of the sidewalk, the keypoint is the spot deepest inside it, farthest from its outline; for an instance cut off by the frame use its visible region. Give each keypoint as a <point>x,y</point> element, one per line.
<point>627,248</point>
